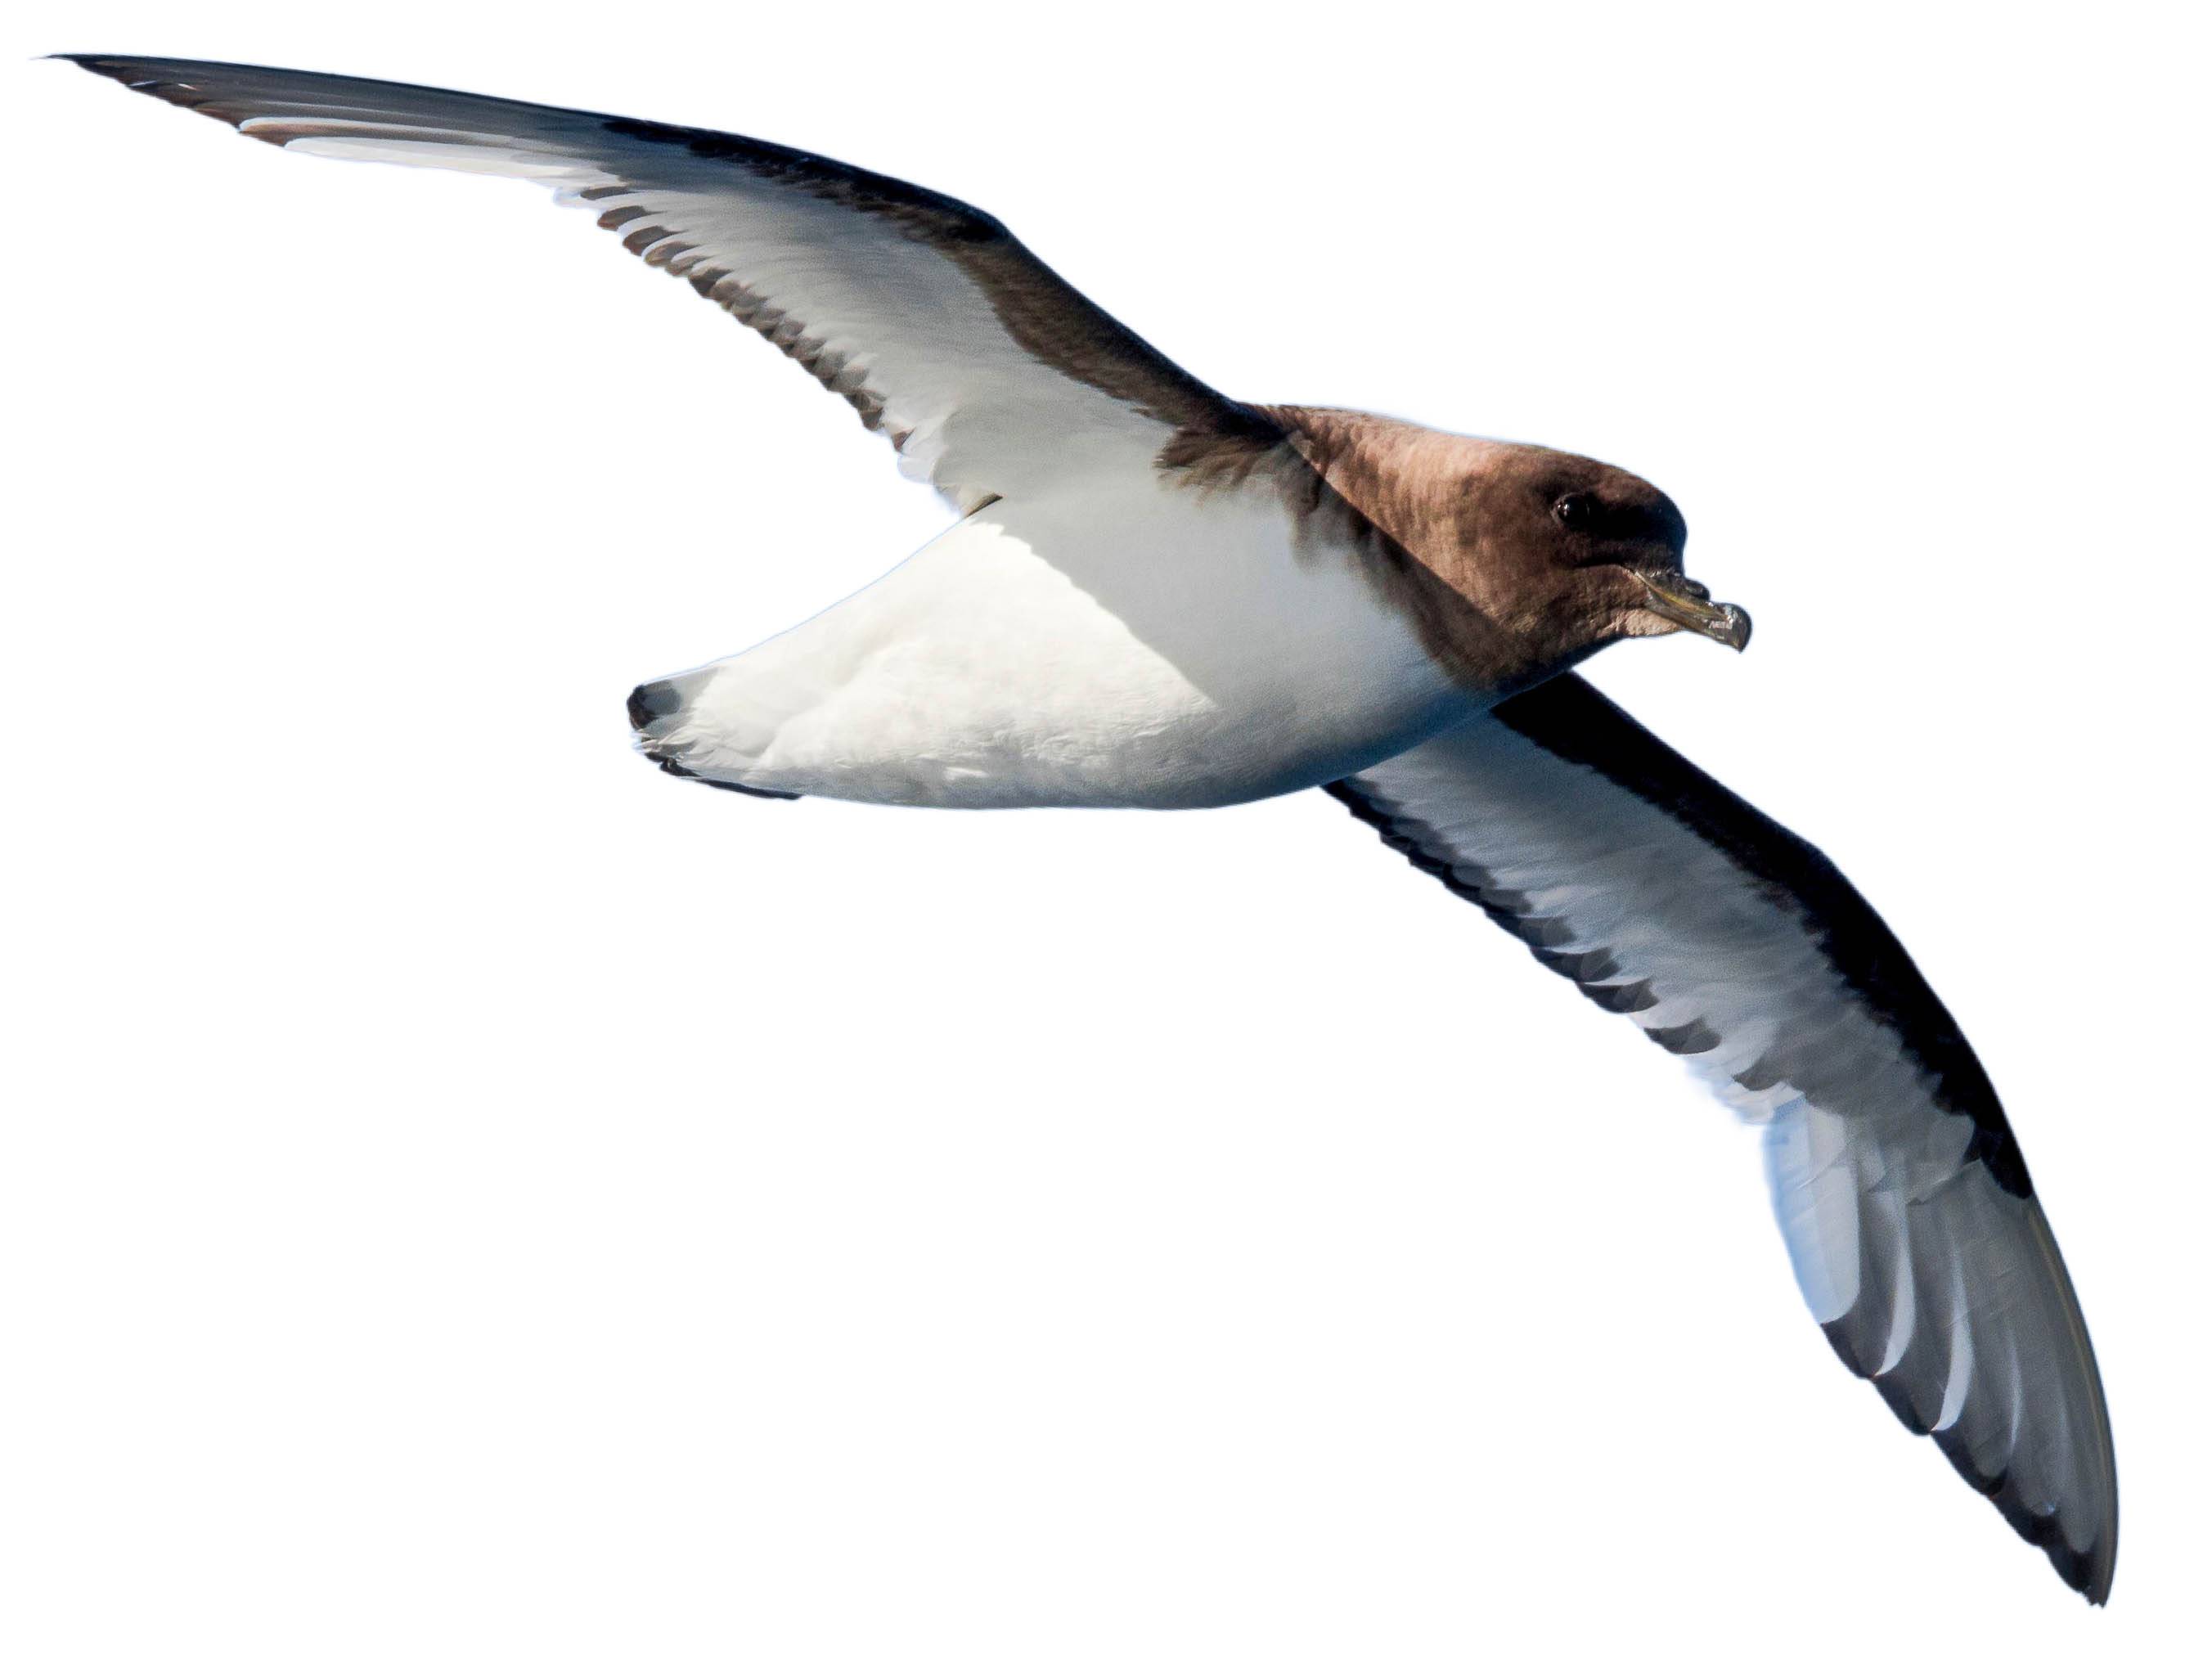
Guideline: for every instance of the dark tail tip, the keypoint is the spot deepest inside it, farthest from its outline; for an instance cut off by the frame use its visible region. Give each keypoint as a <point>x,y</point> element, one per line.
<point>648,704</point>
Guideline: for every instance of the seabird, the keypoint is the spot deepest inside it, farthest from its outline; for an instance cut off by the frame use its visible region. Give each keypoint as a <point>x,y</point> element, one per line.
<point>1155,596</point>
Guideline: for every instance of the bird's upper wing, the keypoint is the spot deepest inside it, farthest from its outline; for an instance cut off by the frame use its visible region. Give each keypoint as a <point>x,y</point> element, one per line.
<point>989,373</point>
<point>1915,1232</point>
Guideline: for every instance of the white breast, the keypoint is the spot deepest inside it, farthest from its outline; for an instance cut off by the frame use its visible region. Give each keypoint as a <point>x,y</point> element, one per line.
<point>1162,646</point>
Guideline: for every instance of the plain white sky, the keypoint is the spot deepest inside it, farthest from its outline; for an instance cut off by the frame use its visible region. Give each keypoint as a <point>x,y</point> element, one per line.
<point>464,1192</point>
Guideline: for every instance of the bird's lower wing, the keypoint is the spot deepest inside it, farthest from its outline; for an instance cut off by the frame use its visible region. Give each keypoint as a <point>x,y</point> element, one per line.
<point>991,374</point>
<point>1916,1234</point>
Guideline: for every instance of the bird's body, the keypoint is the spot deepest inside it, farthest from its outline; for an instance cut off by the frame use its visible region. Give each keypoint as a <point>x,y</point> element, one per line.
<point>1194,624</point>
<point>1065,651</point>
<point>1155,596</point>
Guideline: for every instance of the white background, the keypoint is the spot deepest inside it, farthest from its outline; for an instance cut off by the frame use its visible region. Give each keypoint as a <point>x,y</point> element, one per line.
<point>465,1192</point>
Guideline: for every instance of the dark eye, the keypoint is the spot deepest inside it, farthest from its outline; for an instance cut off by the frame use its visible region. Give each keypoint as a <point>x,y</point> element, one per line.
<point>1578,512</point>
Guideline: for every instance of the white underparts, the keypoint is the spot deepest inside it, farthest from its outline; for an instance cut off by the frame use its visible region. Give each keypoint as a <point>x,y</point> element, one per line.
<point>1152,646</point>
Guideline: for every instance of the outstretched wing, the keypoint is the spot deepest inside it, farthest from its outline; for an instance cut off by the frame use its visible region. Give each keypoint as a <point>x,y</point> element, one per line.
<point>989,373</point>
<point>1911,1219</point>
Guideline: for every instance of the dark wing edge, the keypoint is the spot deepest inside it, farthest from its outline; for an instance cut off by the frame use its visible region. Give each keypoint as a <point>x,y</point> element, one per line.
<point>1913,1225</point>
<point>871,308</point>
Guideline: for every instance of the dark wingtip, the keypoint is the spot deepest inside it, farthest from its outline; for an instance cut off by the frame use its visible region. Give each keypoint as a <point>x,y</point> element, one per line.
<point>156,77</point>
<point>98,62</point>
<point>2087,1571</point>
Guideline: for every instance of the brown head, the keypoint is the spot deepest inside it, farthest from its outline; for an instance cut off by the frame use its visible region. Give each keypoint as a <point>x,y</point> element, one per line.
<point>1516,560</point>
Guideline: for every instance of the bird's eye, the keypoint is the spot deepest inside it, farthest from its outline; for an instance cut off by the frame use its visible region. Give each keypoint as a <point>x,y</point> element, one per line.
<point>1578,512</point>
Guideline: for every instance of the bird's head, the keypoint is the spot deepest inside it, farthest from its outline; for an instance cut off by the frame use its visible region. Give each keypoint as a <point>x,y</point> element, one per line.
<point>1571,554</point>
<point>1514,561</point>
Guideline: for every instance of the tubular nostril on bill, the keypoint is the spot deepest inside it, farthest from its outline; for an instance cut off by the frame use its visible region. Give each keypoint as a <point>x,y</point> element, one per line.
<point>648,704</point>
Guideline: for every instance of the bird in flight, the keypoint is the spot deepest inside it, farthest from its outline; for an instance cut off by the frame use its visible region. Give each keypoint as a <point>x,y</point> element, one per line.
<point>1155,596</point>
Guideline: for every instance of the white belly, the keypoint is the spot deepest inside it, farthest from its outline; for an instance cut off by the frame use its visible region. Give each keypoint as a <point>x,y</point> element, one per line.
<point>1162,647</point>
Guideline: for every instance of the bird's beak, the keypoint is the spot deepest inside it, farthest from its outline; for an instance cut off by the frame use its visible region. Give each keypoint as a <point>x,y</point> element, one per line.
<point>1688,606</point>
